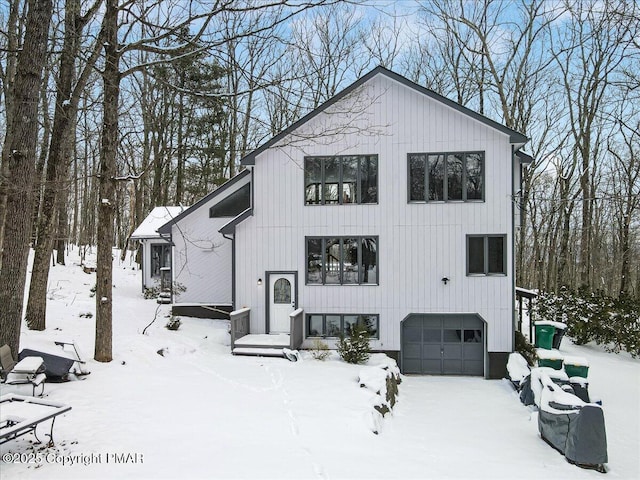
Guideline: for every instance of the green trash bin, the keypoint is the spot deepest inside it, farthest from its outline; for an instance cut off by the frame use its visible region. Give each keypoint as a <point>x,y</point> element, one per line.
<point>544,335</point>
<point>550,358</point>
<point>576,367</point>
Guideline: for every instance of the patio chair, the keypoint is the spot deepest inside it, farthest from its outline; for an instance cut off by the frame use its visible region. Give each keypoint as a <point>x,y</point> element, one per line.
<point>29,370</point>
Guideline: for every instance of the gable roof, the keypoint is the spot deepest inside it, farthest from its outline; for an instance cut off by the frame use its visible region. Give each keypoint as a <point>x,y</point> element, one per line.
<point>514,137</point>
<point>166,228</point>
<point>156,218</point>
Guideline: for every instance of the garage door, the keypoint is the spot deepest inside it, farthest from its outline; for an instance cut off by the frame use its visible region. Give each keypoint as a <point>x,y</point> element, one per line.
<point>443,344</point>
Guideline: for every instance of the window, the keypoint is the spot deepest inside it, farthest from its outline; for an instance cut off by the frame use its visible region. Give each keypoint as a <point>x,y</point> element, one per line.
<point>341,180</point>
<point>282,291</point>
<point>437,177</point>
<point>333,324</point>
<point>342,260</point>
<point>160,257</point>
<point>486,255</point>
<point>234,204</point>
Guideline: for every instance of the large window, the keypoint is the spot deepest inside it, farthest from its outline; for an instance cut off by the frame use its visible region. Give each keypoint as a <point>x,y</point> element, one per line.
<point>486,255</point>
<point>233,205</point>
<point>160,257</point>
<point>343,180</point>
<point>335,324</point>
<point>436,177</point>
<point>342,260</point>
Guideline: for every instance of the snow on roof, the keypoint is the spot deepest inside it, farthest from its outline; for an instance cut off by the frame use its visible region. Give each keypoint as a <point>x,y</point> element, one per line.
<point>158,217</point>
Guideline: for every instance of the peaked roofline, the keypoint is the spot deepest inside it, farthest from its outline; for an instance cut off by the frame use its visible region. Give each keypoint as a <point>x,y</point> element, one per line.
<point>514,136</point>
<point>166,228</point>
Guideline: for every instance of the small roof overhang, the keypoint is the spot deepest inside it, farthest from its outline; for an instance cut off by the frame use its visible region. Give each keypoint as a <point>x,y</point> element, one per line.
<point>229,228</point>
<point>525,158</point>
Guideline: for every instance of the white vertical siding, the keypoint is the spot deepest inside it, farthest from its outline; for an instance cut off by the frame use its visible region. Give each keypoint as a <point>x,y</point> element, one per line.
<point>202,256</point>
<point>418,243</point>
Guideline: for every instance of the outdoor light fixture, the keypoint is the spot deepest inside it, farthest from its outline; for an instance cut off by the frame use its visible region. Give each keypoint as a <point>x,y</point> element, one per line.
<point>445,280</point>
<point>259,281</point>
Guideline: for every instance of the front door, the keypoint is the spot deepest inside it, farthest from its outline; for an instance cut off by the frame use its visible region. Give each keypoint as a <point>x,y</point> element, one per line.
<point>282,301</point>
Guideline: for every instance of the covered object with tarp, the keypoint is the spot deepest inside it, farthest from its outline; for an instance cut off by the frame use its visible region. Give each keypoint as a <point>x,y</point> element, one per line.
<point>573,427</point>
<point>57,362</point>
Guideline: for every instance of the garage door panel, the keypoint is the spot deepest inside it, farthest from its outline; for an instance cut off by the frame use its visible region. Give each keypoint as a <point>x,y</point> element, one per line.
<point>431,367</point>
<point>431,351</point>
<point>413,350</point>
<point>413,333</point>
<point>452,351</point>
<point>472,351</point>
<point>452,367</point>
<point>432,335</point>
<point>469,321</point>
<point>412,365</point>
<point>473,367</point>
<point>451,322</point>
<point>430,321</point>
<point>443,344</point>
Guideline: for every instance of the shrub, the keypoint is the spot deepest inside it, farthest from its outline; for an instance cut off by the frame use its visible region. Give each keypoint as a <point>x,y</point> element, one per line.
<point>151,293</point>
<point>524,348</point>
<point>611,322</point>
<point>320,350</point>
<point>355,347</point>
<point>173,323</point>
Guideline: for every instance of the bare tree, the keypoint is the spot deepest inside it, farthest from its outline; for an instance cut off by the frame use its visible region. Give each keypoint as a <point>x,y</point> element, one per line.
<point>591,52</point>
<point>67,100</point>
<point>18,157</point>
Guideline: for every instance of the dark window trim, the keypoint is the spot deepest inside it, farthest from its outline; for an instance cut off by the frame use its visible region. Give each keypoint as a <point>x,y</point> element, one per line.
<point>445,186</point>
<point>485,238</point>
<point>340,182</point>
<point>341,238</point>
<point>165,253</point>
<point>341,315</point>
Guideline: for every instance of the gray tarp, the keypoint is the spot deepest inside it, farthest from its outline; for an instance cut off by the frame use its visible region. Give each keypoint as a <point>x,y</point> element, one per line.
<point>579,433</point>
<point>57,366</point>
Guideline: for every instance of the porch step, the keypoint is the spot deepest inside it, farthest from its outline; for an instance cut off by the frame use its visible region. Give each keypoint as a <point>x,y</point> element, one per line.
<point>259,351</point>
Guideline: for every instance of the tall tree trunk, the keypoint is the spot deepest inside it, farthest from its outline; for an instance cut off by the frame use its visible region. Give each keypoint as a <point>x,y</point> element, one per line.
<point>8,95</point>
<point>19,154</point>
<point>62,231</point>
<point>53,193</point>
<point>106,202</point>
<point>42,160</point>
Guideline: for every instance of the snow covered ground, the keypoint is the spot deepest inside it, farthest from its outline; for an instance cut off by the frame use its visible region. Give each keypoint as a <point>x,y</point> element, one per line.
<point>199,412</point>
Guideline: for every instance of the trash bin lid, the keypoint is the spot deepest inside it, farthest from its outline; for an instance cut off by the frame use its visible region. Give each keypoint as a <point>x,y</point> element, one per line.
<point>551,323</point>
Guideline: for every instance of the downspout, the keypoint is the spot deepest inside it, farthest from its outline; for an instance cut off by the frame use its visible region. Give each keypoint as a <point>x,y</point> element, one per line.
<point>513,250</point>
<point>142,244</point>
<point>233,269</point>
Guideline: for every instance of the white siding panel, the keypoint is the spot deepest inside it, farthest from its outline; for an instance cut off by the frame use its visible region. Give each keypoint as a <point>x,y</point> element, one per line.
<point>418,243</point>
<point>202,257</point>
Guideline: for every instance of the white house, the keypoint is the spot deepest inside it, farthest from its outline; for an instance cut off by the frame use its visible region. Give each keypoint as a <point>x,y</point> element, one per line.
<point>389,206</point>
<point>156,251</point>
<point>202,257</point>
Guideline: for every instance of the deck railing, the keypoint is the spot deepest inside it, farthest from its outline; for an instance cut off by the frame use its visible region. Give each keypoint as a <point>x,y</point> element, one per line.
<point>296,334</point>
<point>240,320</point>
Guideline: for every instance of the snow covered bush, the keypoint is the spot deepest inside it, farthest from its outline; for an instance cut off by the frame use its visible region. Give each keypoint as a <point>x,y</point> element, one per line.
<point>355,347</point>
<point>611,322</point>
<point>173,323</point>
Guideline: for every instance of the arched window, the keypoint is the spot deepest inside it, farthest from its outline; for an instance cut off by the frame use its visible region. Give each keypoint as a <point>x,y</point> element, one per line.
<point>282,291</point>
